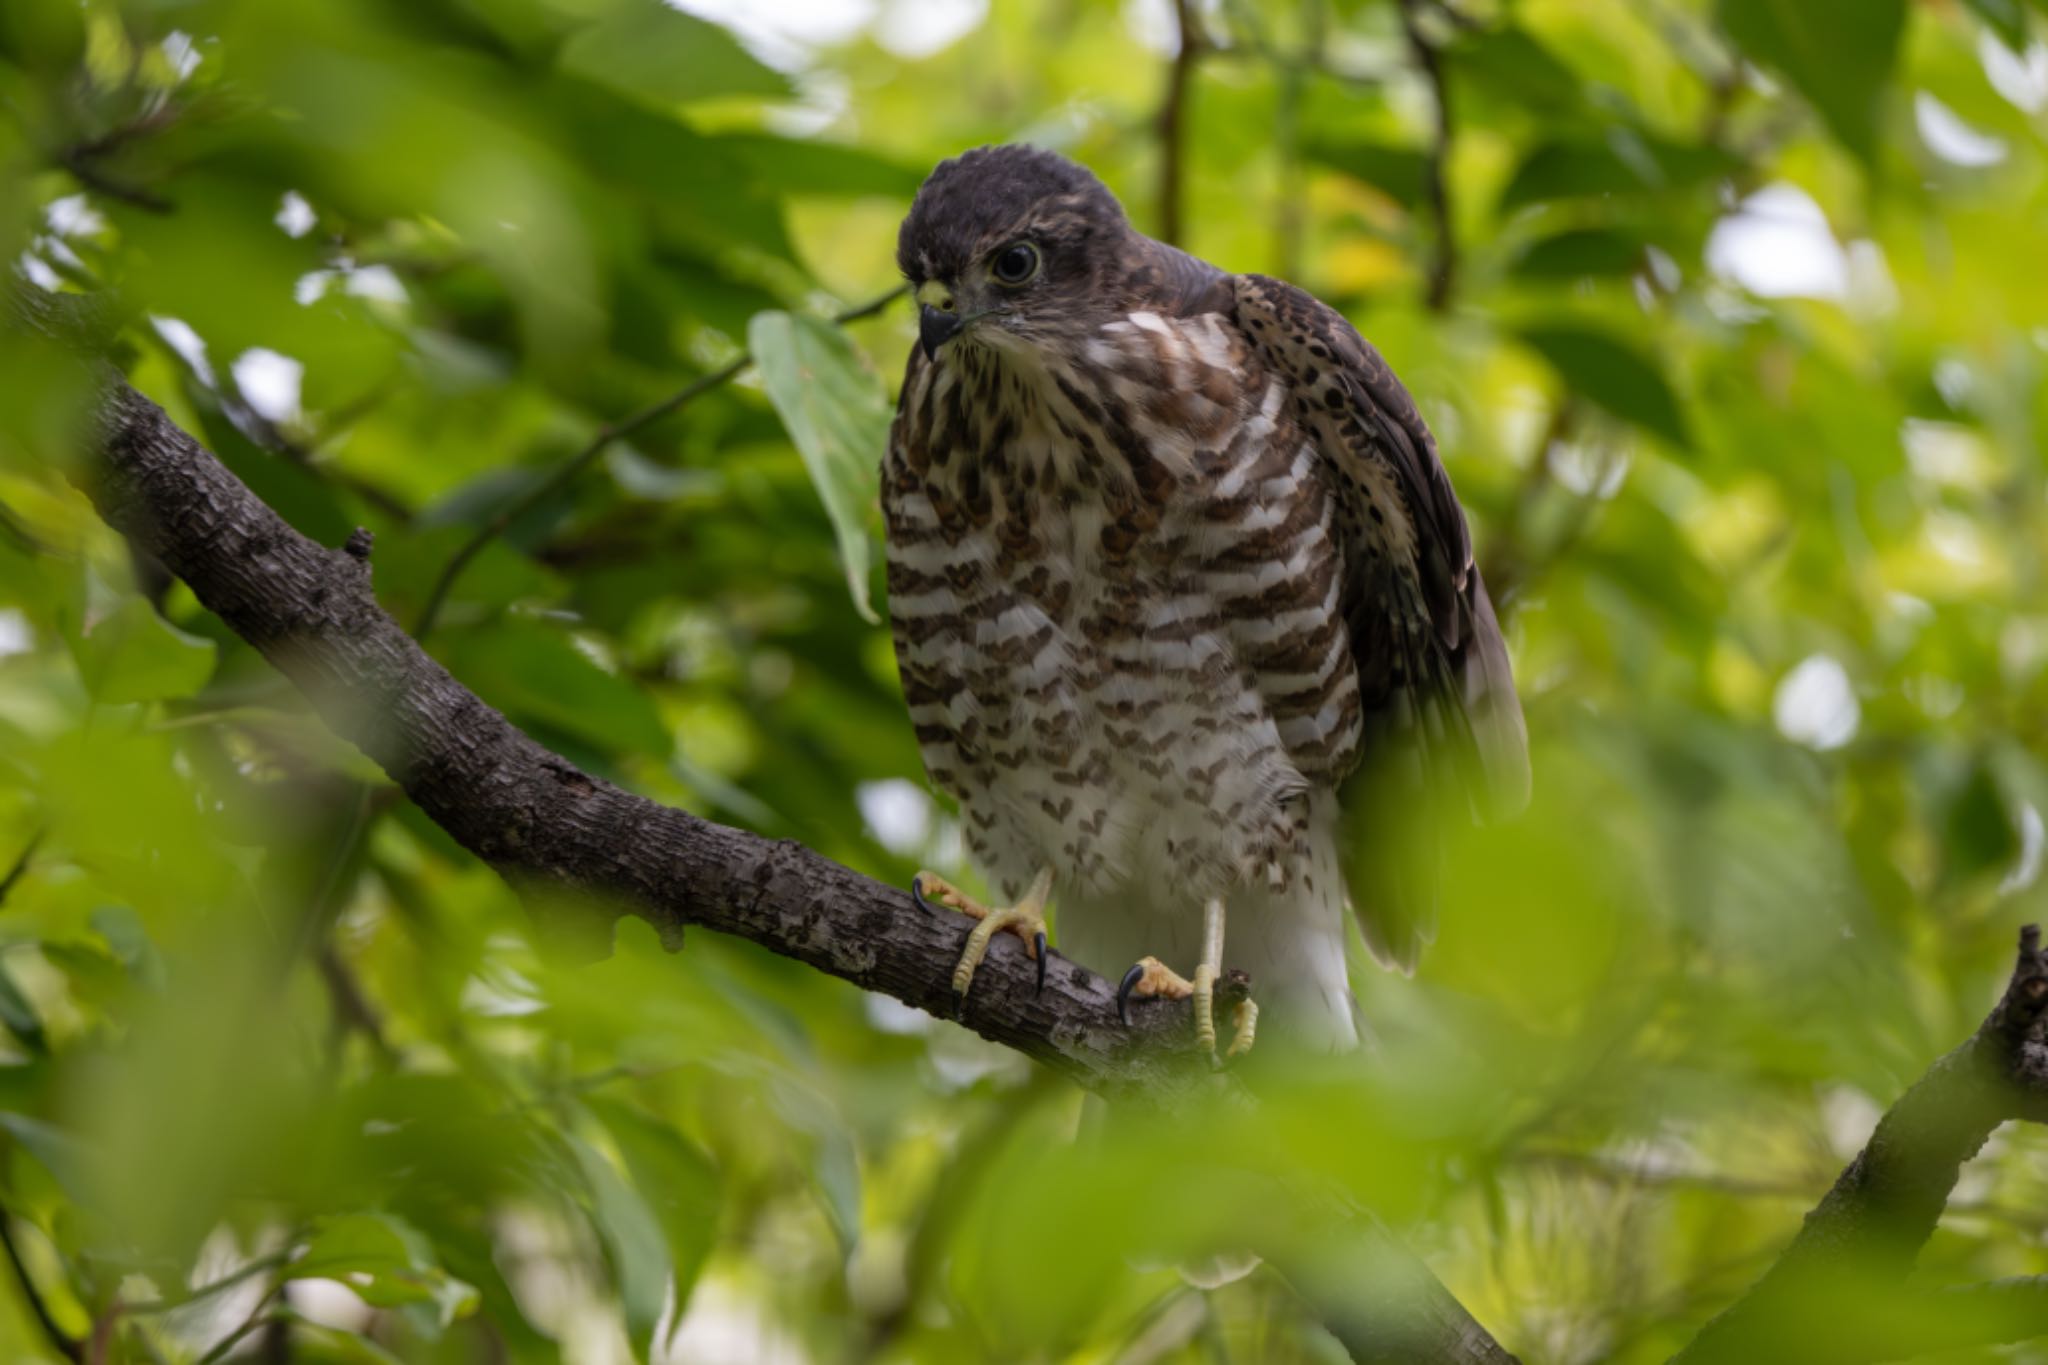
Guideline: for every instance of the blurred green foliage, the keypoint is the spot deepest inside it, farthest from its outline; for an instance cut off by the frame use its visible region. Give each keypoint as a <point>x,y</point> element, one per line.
<point>1741,377</point>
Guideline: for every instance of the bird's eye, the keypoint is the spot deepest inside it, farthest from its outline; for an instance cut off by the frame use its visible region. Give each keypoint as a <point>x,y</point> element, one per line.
<point>1015,264</point>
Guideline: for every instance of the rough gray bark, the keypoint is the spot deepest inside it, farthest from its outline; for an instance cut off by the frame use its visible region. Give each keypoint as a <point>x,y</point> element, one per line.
<point>1838,1293</point>
<point>561,835</point>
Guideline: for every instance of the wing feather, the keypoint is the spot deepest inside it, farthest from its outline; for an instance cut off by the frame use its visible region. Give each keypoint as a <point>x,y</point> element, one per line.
<point>1432,665</point>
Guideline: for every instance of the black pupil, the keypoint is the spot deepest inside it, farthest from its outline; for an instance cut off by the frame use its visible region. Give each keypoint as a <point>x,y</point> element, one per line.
<point>1014,264</point>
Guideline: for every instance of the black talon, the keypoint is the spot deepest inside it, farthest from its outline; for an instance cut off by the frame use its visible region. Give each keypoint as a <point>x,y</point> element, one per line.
<point>959,1003</point>
<point>917,893</point>
<point>1039,943</point>
<point>1123,992</point>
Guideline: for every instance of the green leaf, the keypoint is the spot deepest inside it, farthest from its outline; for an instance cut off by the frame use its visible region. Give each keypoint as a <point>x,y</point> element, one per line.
<point>17,1013</point>
<point>1505,60</point>
<point>129,943</point>
<point>1977,833</point>
<point>389,1264</point>
<point>632,1237</point>
<point>60,1153</point>
<point>1579,253</point>
<point>1624,161</point>
<point>1396,171</point>
<point>679,1185</point>
<point>1839,53</point>
<point>535,673</point>
<point>664,57</point>
<point>792,165</point>
<point>1613,375</point>
<point>132,654</point>
<point>838,416</point>
<point>835,1161</point>
<point>2006,19</point>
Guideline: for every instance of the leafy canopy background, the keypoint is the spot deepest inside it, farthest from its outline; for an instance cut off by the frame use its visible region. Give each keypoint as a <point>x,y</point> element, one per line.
<point>1739,372</point>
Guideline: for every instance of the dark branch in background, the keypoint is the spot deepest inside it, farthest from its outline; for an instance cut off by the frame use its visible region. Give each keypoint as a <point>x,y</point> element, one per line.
<point>1838,1294</point>
<point>1512,559</point>
<point>90,176</point>
<point>565,473</point>
<point>1292,68</point>
<point>1444,270</point>
<point>1171,124</point>
<point>81,159</point>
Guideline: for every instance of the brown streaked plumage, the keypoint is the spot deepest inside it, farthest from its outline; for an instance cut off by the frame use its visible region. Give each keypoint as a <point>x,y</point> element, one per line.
<point>1183,600</point>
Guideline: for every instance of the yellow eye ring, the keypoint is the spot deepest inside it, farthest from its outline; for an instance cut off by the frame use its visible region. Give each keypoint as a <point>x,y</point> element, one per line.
<point>1016,264</point>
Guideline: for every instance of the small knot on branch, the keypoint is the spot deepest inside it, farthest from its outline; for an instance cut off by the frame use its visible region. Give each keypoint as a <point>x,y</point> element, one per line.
<point>1235,988</point>
<point>2026,999</point>
<point>359,542</point>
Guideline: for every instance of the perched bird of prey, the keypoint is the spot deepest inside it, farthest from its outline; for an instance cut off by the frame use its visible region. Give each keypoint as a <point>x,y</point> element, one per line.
<point>1183,601</point>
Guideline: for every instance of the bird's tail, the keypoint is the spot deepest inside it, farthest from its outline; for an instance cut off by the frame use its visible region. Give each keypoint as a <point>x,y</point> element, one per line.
<point>1447,737</point>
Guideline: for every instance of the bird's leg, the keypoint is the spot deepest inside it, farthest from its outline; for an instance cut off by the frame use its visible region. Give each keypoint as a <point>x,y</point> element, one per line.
<point>1025,919</point>
<point>1152,979</point>
<point>1236,987</point>
<point>1206,972</point>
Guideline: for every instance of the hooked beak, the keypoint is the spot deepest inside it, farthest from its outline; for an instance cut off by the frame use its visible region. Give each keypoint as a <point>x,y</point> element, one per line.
<point>935,329</point>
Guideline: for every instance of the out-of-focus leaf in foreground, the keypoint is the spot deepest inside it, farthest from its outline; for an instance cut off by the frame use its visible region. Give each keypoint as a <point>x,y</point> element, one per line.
<point>1838,52</point>
<point>132,654</point>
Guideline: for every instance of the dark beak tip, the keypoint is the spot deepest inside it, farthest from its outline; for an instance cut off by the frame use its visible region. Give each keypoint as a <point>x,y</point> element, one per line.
<point>935,329</point>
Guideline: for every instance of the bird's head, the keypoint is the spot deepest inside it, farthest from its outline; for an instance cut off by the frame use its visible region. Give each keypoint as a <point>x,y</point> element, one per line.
<point>1009,247</point>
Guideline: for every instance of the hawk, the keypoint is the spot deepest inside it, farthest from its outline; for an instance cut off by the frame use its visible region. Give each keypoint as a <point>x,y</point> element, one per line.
<point>1183,601</point>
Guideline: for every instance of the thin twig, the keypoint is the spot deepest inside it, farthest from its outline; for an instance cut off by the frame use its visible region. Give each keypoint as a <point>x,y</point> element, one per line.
<point>210,1288</point>
<point>92,177</point>
<point>1171,123</point>
<point>1512,562</point>
<point>566,472</point>
<point>1443,272</point>
<point>21,862</point>
<point>352,1007</point>
<point>79,157</point>
<point>261,1317</point>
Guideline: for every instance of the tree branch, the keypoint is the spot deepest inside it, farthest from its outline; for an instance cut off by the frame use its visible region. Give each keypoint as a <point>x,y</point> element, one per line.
<point>1858,1245</point>
<point>1171,122</point>
<point>1443,272</point>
